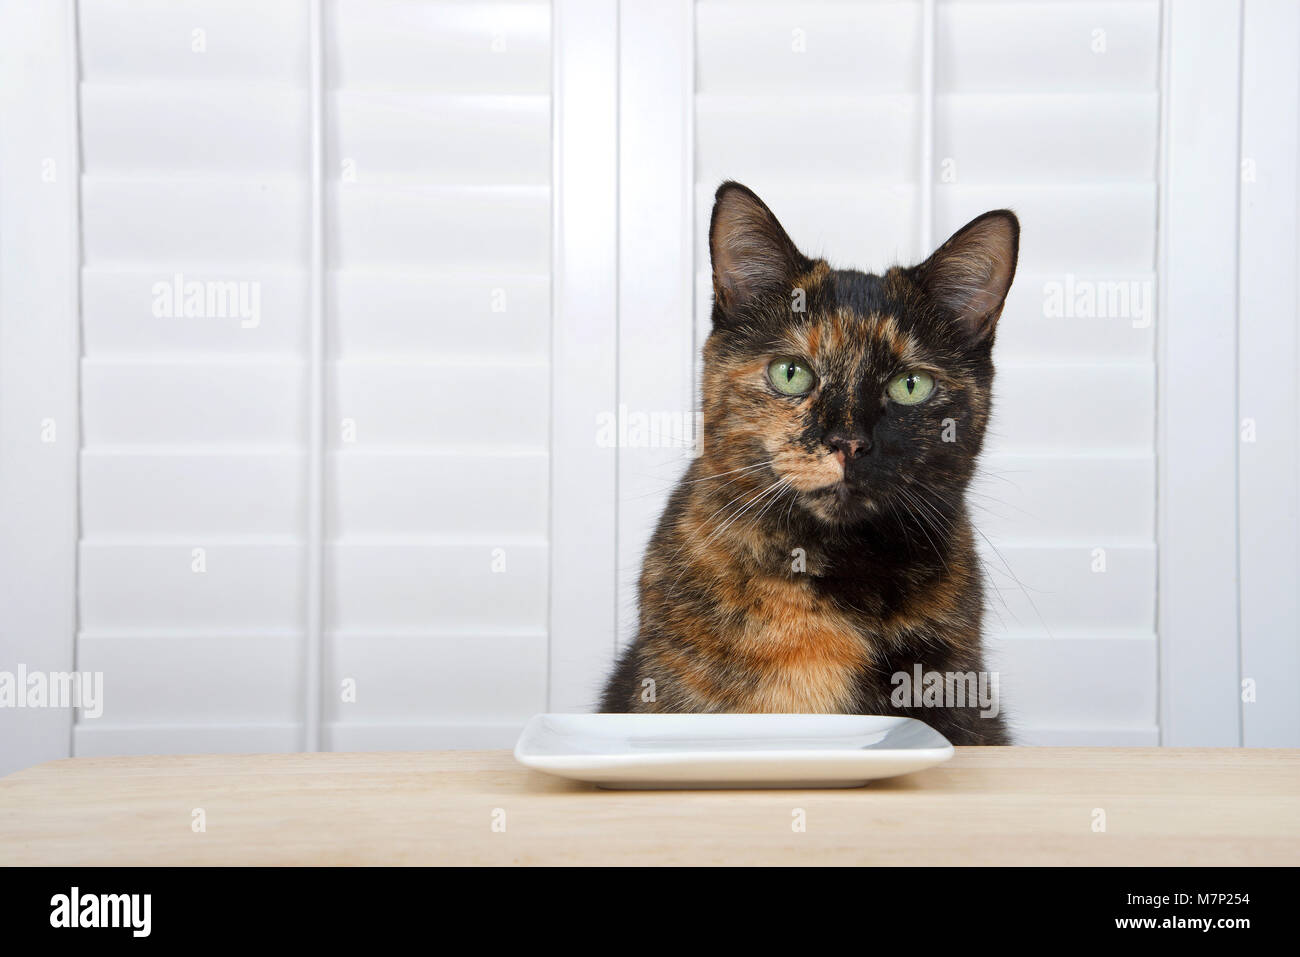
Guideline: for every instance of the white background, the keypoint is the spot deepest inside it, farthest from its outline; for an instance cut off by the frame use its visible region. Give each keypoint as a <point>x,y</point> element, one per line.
<point>477,231</point>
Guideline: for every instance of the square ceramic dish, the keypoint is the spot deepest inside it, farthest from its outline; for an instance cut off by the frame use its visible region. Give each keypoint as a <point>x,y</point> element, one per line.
<point>728,750</point>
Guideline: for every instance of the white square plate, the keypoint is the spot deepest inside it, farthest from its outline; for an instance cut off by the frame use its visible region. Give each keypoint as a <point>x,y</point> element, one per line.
<point>728,750</point>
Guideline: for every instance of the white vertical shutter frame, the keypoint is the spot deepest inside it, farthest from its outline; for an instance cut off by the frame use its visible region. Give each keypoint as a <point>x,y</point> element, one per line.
<point>1199,447</point>
<point>39,355</point>
<point>820,108</point>
<point>656,389</point>
<point>1268,355</point>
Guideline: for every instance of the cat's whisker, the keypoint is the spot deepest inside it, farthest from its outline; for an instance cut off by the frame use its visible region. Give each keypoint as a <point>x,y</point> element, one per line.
<point>1021,585</point>
<point>1000,556</point>
<point>670,488</point>
<point>686,540</point>
<point>920,515</point>
<point>990,577</point>
<point>709,478</point>
<point>705,523</point>
<point>1001,475</point>
<point>916,510</point>
<point>775,499</point>
<point>748,505</point>
<point>789,511</point>
<point>936,519</point>
<point>730,521</point>
<point>902,525</point>
<point>929,508</point>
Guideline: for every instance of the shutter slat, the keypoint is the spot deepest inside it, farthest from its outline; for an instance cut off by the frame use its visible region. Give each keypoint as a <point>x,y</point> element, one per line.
<point>1085,498</point>
<point>442,401</point>
<point>411,588</point>
<point>242,40</point>
<point>1003,46</point>
<point>485,228</point>
<point>465,677</point>
<point>1066,228</point>
<point>388,313</point>
<point>754,48</point>
<point>238,403</point>
<point>1069,588</point>
<point>439,493</point>
<point>209,679</point>
<point>1068,317</point>
<point>1044,406</point>
<point>830,139</point>
<point>222,128</point>
<point>1120,696</point>
<point>153,589</point>
<point>462,46</point>
<point>1039,138</point>
<point>120,306</point>
<point>188,495</point>
<point>205,222</point>
<point>463,140</point>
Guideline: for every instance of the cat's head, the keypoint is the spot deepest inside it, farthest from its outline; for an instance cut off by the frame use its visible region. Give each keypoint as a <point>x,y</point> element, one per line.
<point>862,393</point>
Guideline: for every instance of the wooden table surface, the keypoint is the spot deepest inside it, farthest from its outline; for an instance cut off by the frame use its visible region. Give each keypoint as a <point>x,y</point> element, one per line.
<point>986,806</point>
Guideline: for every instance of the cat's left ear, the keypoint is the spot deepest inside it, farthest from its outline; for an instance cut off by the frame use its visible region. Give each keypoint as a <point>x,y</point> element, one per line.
<point>969,275</point>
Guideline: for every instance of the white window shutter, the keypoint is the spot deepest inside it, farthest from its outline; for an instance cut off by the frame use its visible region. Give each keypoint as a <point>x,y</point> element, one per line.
<point>439,155</point>
<point>193,590</point>
<point>192,511</point>
<point>493,283</point>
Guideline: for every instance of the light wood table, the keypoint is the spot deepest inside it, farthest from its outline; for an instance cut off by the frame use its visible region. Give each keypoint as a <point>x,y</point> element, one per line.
<point>986,806</point>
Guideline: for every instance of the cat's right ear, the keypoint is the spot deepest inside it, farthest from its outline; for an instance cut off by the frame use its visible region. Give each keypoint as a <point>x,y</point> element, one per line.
<point>751,253</point>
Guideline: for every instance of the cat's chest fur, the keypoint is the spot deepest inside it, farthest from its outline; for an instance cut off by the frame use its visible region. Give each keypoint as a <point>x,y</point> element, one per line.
<point>803,653</point>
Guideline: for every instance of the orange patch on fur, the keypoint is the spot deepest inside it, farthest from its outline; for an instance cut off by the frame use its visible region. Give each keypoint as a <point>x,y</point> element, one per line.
<point>814,339</point>
<point>837,332</point>
<point>806,472</point>
<point>806,652</point>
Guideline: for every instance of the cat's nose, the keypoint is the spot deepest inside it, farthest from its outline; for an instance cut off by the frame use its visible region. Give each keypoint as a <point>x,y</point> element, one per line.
<point>848,446</point>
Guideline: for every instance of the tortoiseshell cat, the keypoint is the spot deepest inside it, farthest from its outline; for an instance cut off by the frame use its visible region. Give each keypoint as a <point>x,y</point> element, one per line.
<point>819,546</point>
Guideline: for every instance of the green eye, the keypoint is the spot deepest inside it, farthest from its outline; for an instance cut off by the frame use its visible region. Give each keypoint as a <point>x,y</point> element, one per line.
<point>910,388</point>
<point>790,376</point>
